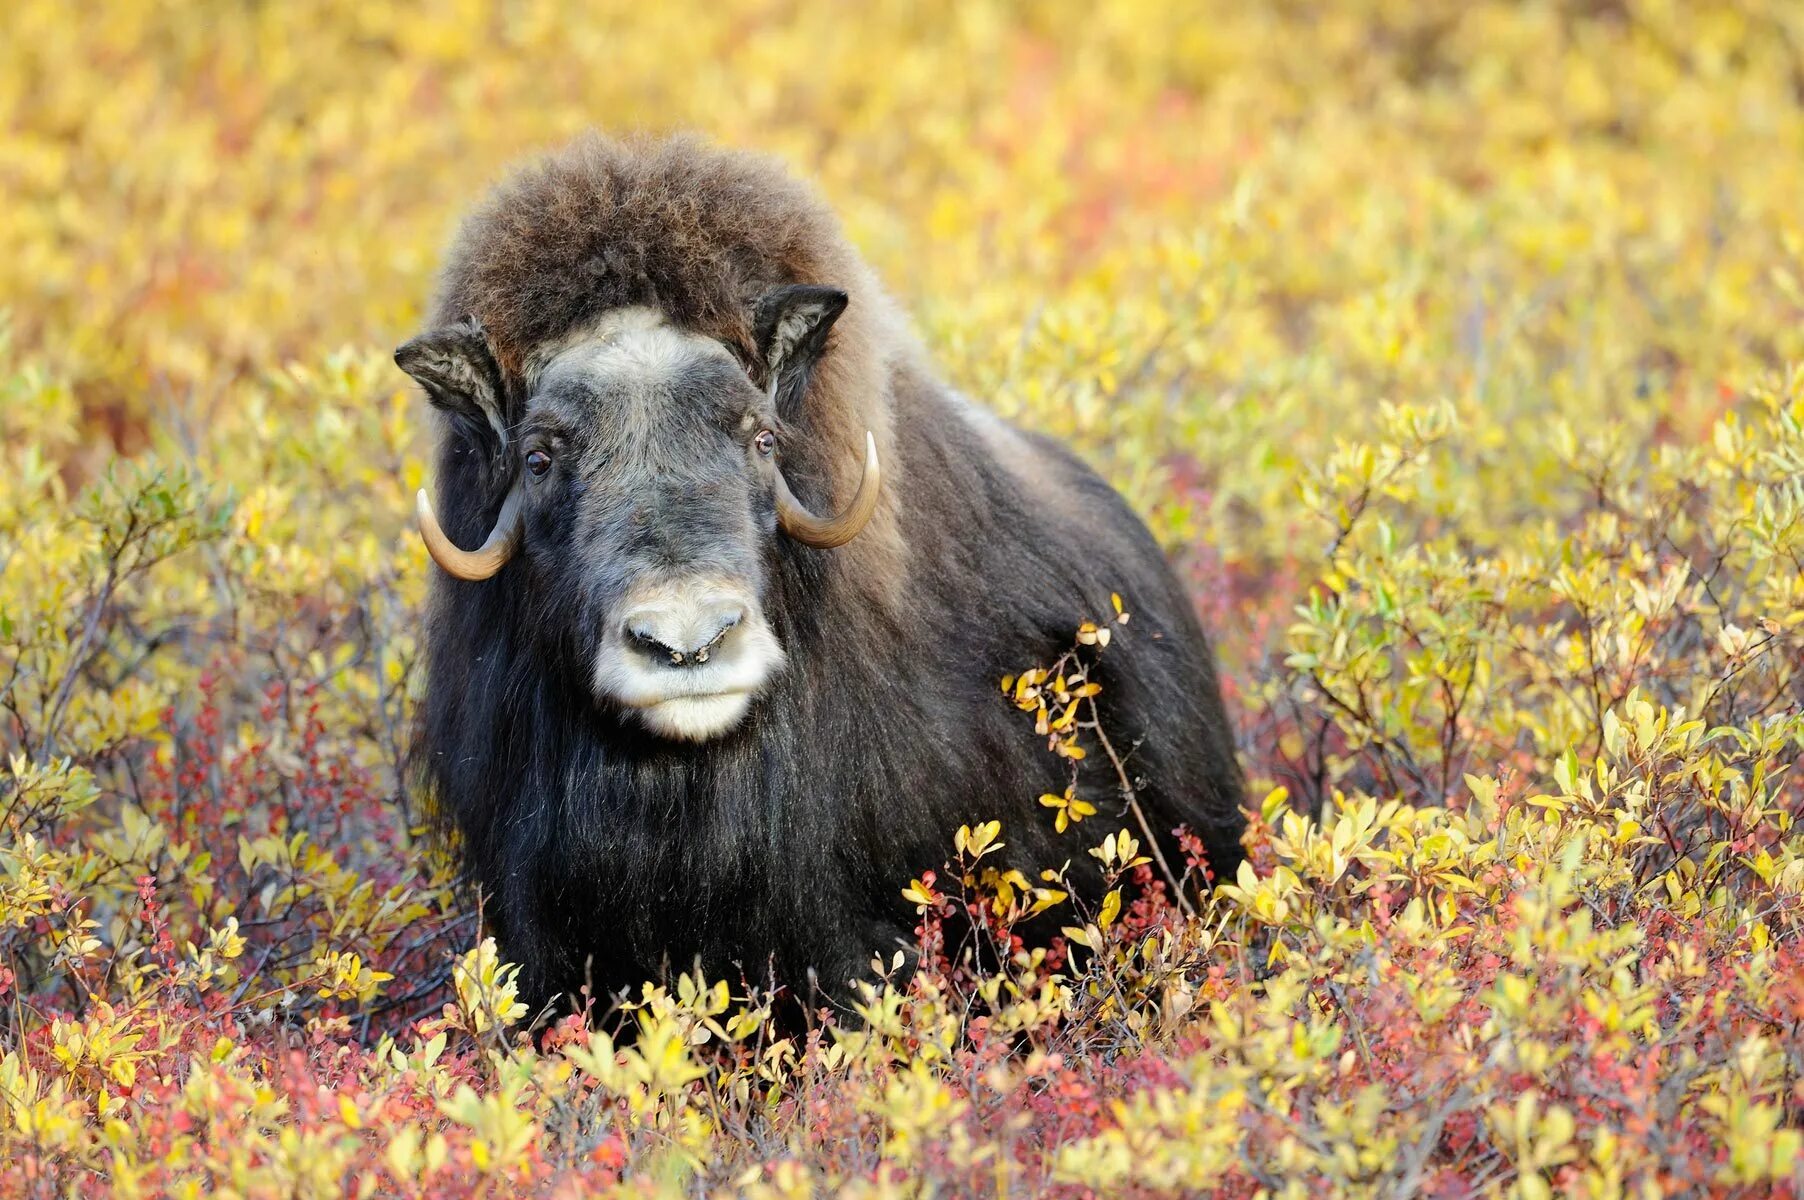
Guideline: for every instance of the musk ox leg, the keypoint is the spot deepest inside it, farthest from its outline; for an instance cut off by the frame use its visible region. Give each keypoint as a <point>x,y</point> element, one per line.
<point>552,970</point>
<point>1161,698</point>
<point>834,970</point>
<point>1200,793</point>
<point>522,944</point>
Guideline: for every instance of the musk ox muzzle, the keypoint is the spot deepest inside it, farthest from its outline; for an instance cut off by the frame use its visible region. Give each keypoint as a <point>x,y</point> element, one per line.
<point>688,656</point>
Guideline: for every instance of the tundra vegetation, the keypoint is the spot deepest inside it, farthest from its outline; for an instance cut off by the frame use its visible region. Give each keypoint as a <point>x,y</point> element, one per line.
<point>1452,349</point>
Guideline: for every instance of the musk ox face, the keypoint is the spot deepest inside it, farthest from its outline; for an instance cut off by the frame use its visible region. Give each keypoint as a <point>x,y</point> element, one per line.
<point>644,491</point>
<point>649,499</point>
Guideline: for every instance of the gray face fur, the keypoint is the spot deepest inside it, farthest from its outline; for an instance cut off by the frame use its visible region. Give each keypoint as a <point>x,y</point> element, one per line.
<point>647,509</point>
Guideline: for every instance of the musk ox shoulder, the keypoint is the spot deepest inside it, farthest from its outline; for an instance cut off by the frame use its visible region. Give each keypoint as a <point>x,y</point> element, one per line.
<point>719,673</point>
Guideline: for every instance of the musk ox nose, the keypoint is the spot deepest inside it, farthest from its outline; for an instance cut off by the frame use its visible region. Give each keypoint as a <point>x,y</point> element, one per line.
<point>687,656</point>
<point>682,624</point>
<point>678,653</point>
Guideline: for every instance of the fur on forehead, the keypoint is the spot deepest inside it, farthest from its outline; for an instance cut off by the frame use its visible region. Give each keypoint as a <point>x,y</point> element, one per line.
<point>636,340</point>
<point>690,230</point>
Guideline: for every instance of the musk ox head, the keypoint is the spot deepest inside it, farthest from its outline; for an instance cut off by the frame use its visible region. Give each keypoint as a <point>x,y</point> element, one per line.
<point>642,467</point>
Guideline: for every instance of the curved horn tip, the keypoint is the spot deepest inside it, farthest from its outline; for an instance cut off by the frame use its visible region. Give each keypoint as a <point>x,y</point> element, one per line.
<point>472,565</point>
<point>825,533</point>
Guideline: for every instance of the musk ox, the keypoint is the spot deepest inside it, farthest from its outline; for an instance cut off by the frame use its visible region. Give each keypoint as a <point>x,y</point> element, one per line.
<point>722,674</point>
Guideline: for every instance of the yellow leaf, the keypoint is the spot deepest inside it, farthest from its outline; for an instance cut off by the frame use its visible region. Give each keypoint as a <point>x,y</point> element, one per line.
<point>1111,908</point>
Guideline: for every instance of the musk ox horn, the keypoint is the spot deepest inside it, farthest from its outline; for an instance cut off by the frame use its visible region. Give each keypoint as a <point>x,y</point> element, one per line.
<point>824,533</point>
<point>478,564</point>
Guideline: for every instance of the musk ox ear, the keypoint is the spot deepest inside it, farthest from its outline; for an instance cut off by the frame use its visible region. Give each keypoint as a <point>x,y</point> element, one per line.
<point>456,367</point>
<point>791,325</point>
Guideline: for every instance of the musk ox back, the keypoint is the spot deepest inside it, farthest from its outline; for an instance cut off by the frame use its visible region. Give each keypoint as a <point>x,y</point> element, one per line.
<point>720,676</point>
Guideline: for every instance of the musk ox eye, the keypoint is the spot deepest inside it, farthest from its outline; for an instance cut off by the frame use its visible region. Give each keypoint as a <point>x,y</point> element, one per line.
<point>537,463</point>
<point>766,442</point>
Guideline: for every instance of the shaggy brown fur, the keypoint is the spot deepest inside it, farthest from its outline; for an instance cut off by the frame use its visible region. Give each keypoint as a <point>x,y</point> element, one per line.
<point>781,846</point>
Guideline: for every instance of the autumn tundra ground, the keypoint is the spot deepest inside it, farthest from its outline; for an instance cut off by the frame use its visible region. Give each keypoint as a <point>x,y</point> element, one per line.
<point>1453,349</point>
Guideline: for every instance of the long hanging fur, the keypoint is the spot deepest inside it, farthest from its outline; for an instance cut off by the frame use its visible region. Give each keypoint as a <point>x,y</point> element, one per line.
<point>608,856</point>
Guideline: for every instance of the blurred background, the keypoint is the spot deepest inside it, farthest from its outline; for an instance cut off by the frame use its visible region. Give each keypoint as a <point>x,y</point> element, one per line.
<point>1356,199</point>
